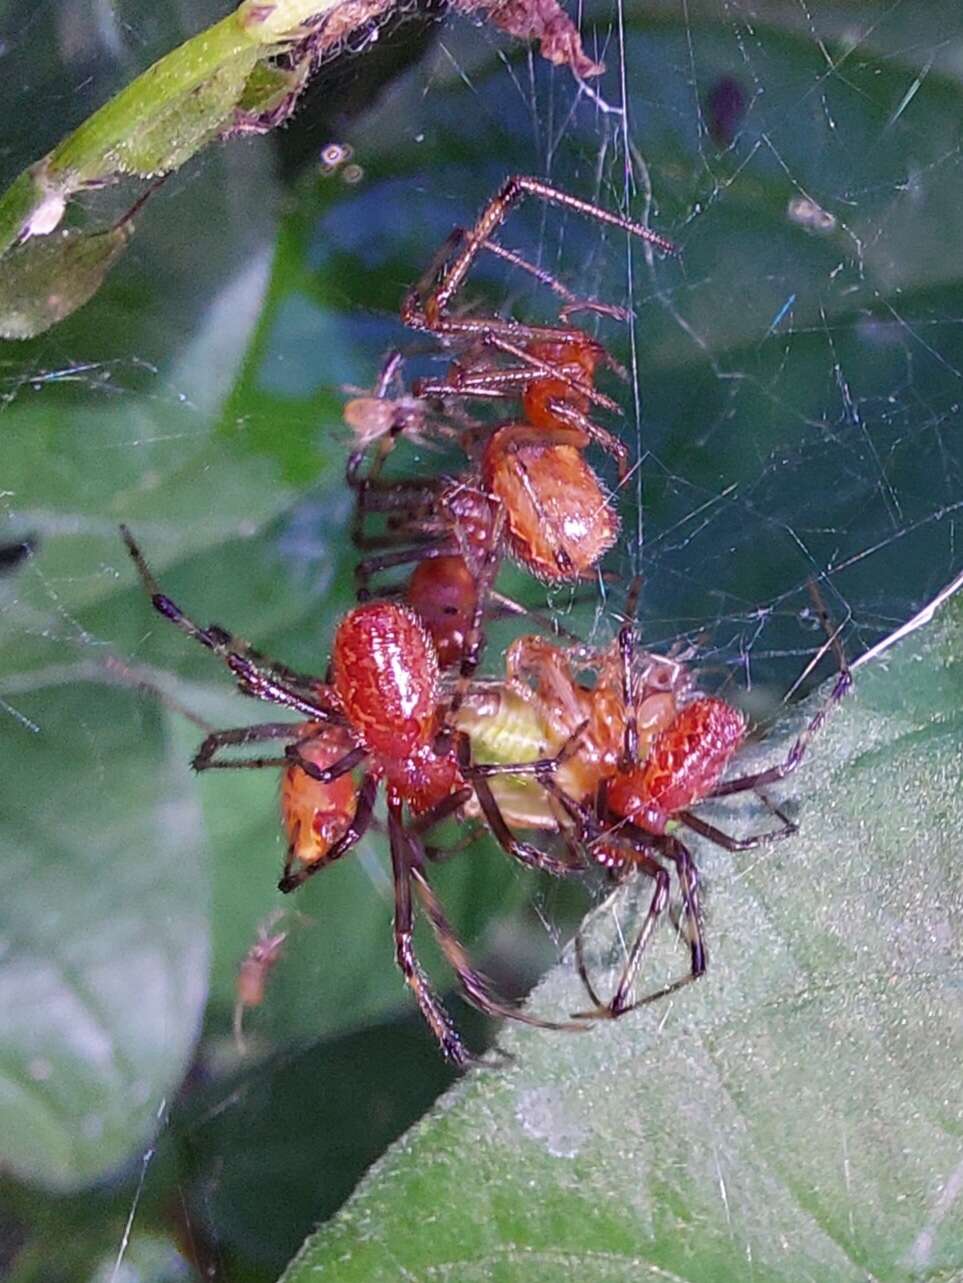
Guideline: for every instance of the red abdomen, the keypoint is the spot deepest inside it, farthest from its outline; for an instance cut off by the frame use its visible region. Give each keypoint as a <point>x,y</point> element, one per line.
<point>386,677</point>
<point>683,766</point>
<point>442,592</point>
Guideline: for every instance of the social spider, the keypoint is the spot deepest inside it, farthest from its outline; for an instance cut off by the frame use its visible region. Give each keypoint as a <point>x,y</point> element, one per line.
<point>530,489</point>
<point>651,799</point>
<point>382,713</point>
<point>533,466</point>
<point>453,531</point>
<point>644,748</point>
<point>529,486</point>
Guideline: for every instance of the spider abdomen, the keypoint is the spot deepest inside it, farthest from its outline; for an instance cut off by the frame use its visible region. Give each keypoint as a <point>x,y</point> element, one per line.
<point>386,678</point>
<point>316,815</point>
<point>443,593</point>
<point>577,360</point>
<point>560,522</point>
<point>683,766</point>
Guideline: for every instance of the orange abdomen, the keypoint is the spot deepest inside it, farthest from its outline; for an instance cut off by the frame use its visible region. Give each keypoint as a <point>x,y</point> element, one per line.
<point>316,815</point>
<point>559,521</point>
<point>577,359</point>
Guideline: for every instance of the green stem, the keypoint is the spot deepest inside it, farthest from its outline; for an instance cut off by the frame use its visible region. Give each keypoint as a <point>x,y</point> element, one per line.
<point>82,154</point>
<point>93,153</point>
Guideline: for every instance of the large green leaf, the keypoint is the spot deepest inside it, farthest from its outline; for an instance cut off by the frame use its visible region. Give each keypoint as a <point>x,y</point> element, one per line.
<point>106,907</point>
<point>103,983</point>
<point>795,1114</point>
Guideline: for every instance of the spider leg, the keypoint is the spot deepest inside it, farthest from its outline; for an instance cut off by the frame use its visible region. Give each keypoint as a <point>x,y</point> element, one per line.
<point>430,312</point>
<point>390,373</point>
<point>498,383</point>
<point>630,744</point>
<point>692,913</point>
<point>489,383</point>
<point>267,682</point>
<point>503,606</point>
<point>352,835</point>
<point>484,327</point>
<point>365,570</point>
<point>411,514</point>
<point>372,495</point>
<point>325,774</point>
<point>440,811</point>
<point>608,442</point>
<point>543,767</point>
<point>440,854</point>
<point>429,276</point>
<point>730,843</point>
<point>795,755</point>
<point>618,1003</point>
<point>212,745</point>
<point>476,986</point>
<point>572,302</point>
<point>291,676</point>
<point>688,876</point>
<point>580,814</point>
<point>544,771</point>
<point>484,581</point>
<point>432,1009</point>
<point>580,964</point>
<point>392,496</point>
<point>554,372</point>
<point>525,853</point>
<point>612,310</point>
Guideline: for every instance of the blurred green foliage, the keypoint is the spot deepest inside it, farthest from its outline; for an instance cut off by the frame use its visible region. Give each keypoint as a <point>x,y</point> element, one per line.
<point>794,398</point>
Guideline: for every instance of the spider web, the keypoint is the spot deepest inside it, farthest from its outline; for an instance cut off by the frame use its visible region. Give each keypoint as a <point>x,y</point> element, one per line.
<point>792,405</point>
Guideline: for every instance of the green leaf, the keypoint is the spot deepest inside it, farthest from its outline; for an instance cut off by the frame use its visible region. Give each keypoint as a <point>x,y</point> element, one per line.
<point>43,281</point>
<point>105,972</point>
<point>219,82</point>
<point>798,1108</point>
<point>106,905</point>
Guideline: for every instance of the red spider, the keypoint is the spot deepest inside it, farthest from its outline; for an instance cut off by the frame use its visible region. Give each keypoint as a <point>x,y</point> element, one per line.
<point>530,488</point>
<point>382,713</point>
<point>643,807</point>
<point>625,760</point>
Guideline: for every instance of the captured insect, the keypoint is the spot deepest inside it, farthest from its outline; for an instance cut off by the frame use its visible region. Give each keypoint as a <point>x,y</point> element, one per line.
<point>383,715</point>
<point>642,748</point>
